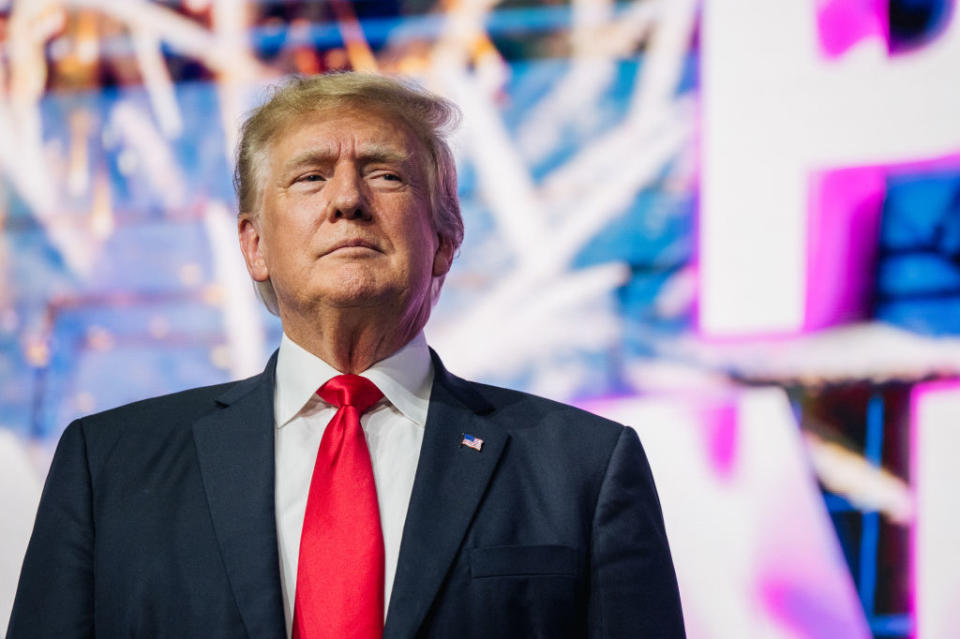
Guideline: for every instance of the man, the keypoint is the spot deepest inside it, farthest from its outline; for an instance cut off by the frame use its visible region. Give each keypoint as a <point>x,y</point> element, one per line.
<point>261,509</point>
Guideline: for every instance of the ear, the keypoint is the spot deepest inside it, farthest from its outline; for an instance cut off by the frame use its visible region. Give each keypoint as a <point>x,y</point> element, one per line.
<point>443,257</point>
<point>248,228</point>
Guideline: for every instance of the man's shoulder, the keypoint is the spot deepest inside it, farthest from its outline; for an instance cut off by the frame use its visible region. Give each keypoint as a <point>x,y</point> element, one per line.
<point>190,402</point>
<point>523,410</point>
<point>565,440</point>
<point>157,418</point>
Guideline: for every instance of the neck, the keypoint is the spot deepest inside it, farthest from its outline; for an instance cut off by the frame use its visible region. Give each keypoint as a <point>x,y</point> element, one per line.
<point>352,342</point>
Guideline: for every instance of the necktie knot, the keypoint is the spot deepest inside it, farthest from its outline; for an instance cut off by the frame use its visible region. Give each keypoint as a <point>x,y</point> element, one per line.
<point>350,390</point>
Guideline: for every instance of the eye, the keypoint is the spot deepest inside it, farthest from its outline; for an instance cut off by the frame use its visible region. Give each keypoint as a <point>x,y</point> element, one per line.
<point>387,176</point>
<point>308,178</point>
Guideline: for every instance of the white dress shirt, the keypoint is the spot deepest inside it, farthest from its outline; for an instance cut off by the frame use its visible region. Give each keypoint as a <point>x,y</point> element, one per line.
<point>394,433</point>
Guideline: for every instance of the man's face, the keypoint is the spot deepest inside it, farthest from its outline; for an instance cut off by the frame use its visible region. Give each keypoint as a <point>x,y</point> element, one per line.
<point>345,217</point>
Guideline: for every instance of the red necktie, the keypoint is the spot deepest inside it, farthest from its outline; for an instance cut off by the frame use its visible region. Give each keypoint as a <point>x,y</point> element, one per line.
<point>340,569</point>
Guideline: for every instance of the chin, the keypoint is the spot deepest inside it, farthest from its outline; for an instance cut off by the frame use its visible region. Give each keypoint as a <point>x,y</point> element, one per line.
<point>356,295</point>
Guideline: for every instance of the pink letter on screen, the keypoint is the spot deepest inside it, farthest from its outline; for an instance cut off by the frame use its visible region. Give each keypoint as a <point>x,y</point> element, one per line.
<point>843,23</point>
<point>784,246</point>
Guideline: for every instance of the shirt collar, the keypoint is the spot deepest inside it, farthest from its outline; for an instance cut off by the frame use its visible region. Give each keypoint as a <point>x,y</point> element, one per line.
<point>404,378</point>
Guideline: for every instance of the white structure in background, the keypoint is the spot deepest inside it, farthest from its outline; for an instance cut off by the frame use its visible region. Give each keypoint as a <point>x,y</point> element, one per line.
<point>771,118</point>
<point>935,447</point>
<point>241,307</point>
<point>755,552</point>
<point>19,493</point>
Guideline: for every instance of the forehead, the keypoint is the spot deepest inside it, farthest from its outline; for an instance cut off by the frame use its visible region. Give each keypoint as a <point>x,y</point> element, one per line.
<point>350,130</point>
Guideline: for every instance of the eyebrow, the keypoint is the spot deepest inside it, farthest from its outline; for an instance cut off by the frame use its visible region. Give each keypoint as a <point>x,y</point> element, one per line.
<point>370,154</point>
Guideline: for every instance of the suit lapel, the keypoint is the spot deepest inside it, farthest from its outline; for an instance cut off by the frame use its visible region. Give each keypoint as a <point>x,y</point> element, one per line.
<point>449,484</point>
<point>235,448</point>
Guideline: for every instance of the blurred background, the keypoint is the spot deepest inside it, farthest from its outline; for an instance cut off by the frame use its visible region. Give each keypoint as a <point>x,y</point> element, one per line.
<point>731,224</point>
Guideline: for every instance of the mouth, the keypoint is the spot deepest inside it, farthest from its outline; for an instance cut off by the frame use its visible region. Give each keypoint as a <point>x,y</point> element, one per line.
<point>353,246</point>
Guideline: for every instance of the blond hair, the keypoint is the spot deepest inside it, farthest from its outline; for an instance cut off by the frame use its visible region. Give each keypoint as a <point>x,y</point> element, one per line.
<point>429,117</point>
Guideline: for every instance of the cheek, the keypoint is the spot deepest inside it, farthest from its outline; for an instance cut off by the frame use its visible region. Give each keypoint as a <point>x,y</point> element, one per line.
<point>283,251</point>
<point>420,231</point>
<point>292,225</point>
<point>423,246</point>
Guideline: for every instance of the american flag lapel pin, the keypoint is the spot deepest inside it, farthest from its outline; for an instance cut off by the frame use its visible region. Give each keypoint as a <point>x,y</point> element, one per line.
<point>471,442</point>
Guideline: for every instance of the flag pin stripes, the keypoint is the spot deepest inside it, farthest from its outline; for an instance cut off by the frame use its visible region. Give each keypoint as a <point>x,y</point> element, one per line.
<point>471,442</point>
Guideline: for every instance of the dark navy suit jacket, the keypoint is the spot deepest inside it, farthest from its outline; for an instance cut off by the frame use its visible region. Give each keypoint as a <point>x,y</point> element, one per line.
<point>157,520</point>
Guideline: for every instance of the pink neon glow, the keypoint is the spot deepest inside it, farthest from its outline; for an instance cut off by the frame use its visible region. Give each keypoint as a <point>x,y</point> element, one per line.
<point>720,425</point>
<point>844,212</point>
<point>843,23</point>
<point>842,231</point>
<point>799,605</point>
<point>845,207</point>
<point>950,162</point>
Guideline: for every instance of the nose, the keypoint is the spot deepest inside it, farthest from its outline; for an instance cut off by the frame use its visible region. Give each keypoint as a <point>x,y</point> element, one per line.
<point>346,195</point>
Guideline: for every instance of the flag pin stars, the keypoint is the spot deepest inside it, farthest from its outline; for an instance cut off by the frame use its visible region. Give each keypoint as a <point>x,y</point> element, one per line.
<point>471,442</point>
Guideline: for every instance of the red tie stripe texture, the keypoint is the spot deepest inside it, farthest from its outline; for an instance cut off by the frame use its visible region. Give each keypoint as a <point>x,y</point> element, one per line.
<point>340,570</point>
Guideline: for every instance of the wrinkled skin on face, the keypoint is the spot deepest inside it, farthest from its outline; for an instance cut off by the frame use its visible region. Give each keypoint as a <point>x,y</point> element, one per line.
<point>344,231</point>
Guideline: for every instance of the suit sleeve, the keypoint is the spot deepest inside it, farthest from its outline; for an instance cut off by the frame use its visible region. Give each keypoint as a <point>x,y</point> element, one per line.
<point>55,594</point>
<point>633,587</point>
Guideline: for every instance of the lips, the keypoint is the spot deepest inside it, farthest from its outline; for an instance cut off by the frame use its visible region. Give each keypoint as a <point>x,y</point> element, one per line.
<point>352,243</point>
